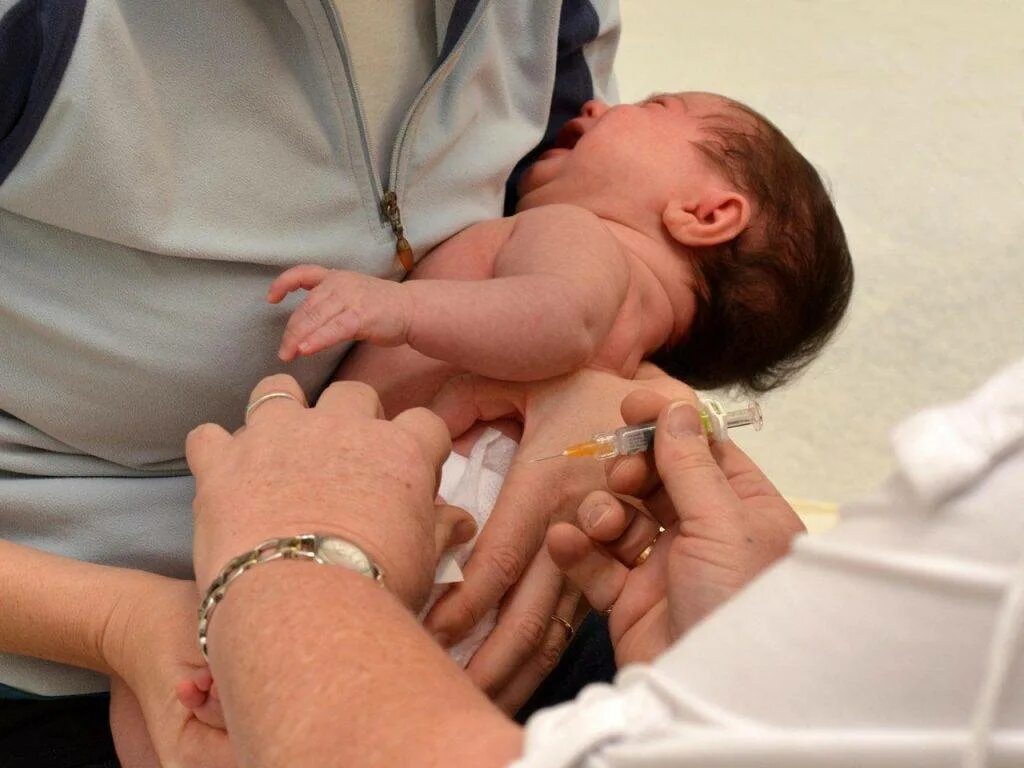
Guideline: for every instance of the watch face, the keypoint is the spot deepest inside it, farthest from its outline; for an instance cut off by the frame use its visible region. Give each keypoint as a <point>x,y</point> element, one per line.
<point>341,552</point>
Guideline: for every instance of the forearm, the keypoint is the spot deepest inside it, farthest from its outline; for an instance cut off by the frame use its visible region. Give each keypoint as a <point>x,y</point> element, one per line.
<point>59,609</point>
<point>517,328</point>
<point>354,681</point>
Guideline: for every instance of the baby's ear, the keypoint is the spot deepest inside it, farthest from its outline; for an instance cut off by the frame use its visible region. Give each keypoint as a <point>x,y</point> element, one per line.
<point>716,217</point>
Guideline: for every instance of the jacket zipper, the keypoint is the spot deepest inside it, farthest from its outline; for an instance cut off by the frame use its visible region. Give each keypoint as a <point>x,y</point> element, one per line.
<point>386,197</point>
<point>389,208</point>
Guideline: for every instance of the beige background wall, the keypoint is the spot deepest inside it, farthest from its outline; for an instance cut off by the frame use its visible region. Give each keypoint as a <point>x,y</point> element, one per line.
<point>915,113</point>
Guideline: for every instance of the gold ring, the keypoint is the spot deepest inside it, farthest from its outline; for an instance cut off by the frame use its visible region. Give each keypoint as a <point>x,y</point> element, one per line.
<point>569,631</point>
<point>646,552</point>
<point>262,399</point>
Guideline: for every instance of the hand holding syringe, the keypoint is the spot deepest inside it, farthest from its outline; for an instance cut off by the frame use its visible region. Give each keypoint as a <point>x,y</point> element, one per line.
<point>637,438</point>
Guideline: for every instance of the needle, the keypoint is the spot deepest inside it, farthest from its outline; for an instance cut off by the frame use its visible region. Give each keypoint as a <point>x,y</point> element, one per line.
<point>637,438</point>
<point>545,458</point>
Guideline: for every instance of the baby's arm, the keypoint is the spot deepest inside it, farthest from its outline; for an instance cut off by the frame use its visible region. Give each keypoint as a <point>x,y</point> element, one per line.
<point>557,283</point>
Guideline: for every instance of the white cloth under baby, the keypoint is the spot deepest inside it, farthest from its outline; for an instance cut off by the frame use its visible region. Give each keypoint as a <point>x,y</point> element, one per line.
<point>473,484</point>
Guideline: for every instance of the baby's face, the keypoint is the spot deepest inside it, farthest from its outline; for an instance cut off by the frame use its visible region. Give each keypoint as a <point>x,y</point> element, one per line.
<point>630,156</point>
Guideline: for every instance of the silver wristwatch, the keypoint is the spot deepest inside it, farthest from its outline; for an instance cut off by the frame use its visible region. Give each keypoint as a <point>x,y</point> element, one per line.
<point>320,548</point>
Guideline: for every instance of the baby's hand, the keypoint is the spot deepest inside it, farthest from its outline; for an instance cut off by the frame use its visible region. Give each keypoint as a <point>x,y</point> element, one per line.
<point>198,693</point>
<point>341,306</point>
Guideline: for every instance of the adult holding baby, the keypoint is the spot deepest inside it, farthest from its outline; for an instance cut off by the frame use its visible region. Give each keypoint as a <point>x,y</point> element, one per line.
<point>338,617</point>
<point>159,164</point>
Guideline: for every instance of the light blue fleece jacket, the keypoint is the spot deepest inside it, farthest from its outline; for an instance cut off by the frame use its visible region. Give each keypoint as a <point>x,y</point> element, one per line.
<point>160,162</point>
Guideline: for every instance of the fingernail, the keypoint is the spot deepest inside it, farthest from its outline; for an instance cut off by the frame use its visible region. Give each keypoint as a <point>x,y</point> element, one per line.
<point>465,529</point>
<point>597,513</point>
<point>683,420</point>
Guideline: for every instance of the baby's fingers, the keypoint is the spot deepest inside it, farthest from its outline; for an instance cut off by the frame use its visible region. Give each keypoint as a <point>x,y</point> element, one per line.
<point>598,575</point>
<point>320,307</point>
<point>344,326</point>
<point>307,276</point>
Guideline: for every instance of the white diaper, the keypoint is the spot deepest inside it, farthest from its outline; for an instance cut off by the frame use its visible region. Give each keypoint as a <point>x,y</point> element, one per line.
<point>473,484</point>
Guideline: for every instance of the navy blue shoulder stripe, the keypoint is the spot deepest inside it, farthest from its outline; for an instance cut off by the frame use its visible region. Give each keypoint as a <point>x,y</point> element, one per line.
<point>462,12</point>
<point>578,25</point>
<point>36,41</point>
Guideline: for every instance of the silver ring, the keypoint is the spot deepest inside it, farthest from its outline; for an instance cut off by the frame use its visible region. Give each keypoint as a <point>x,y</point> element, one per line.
<point>262,399</point>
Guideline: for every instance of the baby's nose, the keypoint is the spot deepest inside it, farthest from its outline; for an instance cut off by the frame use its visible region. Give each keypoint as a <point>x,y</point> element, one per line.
<point>593,108</point>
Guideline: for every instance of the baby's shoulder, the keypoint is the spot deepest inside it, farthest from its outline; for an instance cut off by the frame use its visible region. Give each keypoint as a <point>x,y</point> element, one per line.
<point>566,224</point>
<point>560,214</point>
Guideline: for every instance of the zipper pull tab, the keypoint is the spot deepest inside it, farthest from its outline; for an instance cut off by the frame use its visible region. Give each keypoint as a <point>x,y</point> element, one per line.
<point>389,209</point>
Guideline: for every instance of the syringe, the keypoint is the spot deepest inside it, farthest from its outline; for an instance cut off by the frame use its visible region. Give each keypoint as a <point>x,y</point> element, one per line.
<point>637,438</point>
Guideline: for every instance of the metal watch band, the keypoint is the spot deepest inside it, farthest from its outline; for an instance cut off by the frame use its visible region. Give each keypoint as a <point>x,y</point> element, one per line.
<point>305,546</point>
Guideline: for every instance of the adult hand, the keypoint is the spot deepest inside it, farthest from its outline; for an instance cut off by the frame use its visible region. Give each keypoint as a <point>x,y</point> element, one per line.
<point>725,523</point>
<point>150,643</point>
<point>338,468</point>
<point>509,564</point>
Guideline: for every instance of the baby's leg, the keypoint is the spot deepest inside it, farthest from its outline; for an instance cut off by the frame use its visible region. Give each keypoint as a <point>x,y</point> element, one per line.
<point>128,726</point>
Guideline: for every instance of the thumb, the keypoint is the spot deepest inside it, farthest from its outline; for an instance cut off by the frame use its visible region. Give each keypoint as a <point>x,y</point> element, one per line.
<point>692,478</point>
<point>454,526</point>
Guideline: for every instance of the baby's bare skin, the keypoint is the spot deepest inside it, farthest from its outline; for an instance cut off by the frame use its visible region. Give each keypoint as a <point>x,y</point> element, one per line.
<point>523,298</point>
<point>594,269</point>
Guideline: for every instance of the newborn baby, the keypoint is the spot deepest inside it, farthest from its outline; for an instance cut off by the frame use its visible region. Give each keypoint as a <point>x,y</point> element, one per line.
<point>685,228</point>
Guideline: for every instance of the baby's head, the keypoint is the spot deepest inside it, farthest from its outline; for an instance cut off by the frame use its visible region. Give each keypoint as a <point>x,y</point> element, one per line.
<point>768,273</point>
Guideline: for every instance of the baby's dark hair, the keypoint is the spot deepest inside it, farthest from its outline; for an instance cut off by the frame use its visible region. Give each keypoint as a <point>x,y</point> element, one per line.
<point>769,299</point>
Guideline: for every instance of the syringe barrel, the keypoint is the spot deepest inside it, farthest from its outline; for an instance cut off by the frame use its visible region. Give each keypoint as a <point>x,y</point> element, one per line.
<point>635,438</point>
<point>638,438</point>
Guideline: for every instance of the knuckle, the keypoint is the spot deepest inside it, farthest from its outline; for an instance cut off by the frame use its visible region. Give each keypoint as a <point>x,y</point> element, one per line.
<point>201,434</point>
<point>463,615</point>
<point>530,631</point>
<point>336,326</point>
<point>505,562</point>
<point>752,483</point>
<point>337,277</point>
<point>276,381</point>
<point>310,313</point>
<point>354,389</point>
<point>548,655</point>
<point>427,419</point>
<point>689,458</point>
